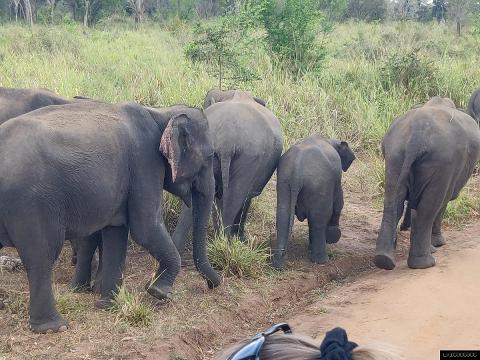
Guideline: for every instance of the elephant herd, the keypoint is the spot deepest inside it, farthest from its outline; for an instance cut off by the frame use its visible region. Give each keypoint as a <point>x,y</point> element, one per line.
<point>93,173</point>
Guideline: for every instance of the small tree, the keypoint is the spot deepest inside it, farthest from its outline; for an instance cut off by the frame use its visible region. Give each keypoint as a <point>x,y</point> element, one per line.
<point>224,44</point>
<point>458,10</point>
<point>439,10</point>
<point>292,27</point>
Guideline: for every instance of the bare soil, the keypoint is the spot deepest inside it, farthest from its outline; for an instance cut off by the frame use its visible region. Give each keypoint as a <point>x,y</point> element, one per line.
<point>198,322</point>
<point>418,312</point>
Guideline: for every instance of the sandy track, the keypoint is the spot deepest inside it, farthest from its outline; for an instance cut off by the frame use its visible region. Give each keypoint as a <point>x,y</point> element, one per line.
<point>417,311</point>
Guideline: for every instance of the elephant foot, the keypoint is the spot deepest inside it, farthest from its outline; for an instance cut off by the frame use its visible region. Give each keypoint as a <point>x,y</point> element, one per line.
<point>104,303</point>
<point>421,262</point>
<point>82,289</point>
<point>55,326</point>
<point>333,234</point>
<point>278,263</point>
<point>322,259</point>
<point>433,249</point>
<point>384,261</point>
<point>97,287</point>
<point>159,291</point>
<point>438,240</point>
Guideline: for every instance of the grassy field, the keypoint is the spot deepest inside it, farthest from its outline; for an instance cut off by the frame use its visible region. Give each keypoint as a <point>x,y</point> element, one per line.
<point>372,73</point>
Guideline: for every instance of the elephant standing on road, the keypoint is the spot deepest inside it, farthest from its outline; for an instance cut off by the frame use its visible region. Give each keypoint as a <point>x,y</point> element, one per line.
<point>309,185</point>
<point>87,167</point>
<point>430,153</point>
<point>247,140</point>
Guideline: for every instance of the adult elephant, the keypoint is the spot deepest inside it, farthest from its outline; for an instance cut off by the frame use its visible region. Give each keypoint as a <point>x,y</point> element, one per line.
<point>81,168</point>
<point>17,101</point>
<point>247,142</point>
<point>430,153</point>
<point>474,106</point>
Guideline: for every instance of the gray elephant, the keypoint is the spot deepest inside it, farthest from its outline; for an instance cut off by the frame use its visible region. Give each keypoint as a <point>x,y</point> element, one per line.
<point>474,106</point>
<point>247,141</point>
<point>81,168</point>
<point>309,185</point>
<point>17,101</point>
<point>430,153</point>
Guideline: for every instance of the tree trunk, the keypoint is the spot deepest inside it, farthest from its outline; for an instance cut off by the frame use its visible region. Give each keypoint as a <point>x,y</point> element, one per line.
<point>85,17</point>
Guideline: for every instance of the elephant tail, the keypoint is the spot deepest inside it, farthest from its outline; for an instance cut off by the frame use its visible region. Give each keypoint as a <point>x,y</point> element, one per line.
<point>395,194</point>
<point>225,168</point>
<point>287,195</point>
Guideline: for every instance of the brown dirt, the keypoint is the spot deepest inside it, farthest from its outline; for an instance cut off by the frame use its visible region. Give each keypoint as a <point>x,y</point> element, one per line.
<point>418,312</point>
<point>199,321</point>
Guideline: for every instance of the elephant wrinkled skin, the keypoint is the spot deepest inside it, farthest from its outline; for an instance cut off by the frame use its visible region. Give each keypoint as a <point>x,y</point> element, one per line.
<point>70,171</point>
<point>430,153</point>
<point>247,141</point>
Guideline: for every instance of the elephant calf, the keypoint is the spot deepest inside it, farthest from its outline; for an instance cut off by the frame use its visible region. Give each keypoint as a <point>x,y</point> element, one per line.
<point>309,179</point>
<point>430,153</point>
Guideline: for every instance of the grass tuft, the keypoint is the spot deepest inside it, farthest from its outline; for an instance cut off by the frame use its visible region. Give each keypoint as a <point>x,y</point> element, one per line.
<point>234,257</point>
<point>462,209</point>
<point>69,304</point>
<point>131,308</point>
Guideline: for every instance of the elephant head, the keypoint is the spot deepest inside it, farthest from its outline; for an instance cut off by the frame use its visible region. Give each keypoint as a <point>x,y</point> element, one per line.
<point>346,154</point>
<point>187,146</point>
<point>215,95</point>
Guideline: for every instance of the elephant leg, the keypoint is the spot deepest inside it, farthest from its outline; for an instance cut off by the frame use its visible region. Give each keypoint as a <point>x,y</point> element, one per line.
<point>97,283</point>
<point>437,236</point>
<point>333,229</point>
<point>83,270</point>
<point>317,229</point>
<point>241,219</point>
<point>74,243</point>
<point>233,204</point>
<point>115,240</point>
<point>182,229</point>
<point>407,218</point>
<point>217,215</point>
<point>39,245</point>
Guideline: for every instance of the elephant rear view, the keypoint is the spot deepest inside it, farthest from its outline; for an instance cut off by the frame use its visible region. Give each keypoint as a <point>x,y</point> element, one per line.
<point>430,153</point>
<point>309,185</point>
<point>248,142</point>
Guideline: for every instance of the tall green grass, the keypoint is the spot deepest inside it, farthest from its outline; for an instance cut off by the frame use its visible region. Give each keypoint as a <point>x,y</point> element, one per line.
<point>354,97</point>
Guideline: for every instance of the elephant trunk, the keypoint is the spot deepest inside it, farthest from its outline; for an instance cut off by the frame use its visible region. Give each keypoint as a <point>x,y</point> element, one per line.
<point>202,200</point>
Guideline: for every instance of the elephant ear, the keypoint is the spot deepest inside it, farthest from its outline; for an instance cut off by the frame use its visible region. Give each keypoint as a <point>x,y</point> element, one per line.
<point>260,101</point>
<point>174,139</point>
<point>346,155</point>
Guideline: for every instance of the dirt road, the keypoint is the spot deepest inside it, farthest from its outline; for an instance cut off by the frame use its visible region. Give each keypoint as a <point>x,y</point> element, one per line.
<point>419,312</point>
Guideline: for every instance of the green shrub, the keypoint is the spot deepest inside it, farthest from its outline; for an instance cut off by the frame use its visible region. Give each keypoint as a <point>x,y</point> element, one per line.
<point>291,27</point>
<point>237,258</point>
<point>415,73</point>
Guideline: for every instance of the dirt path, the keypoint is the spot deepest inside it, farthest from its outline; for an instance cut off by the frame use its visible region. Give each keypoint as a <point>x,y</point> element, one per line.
<point>419,312</point>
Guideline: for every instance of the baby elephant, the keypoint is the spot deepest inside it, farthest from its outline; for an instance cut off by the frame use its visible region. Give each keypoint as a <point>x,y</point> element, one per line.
<point>309,183</point>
